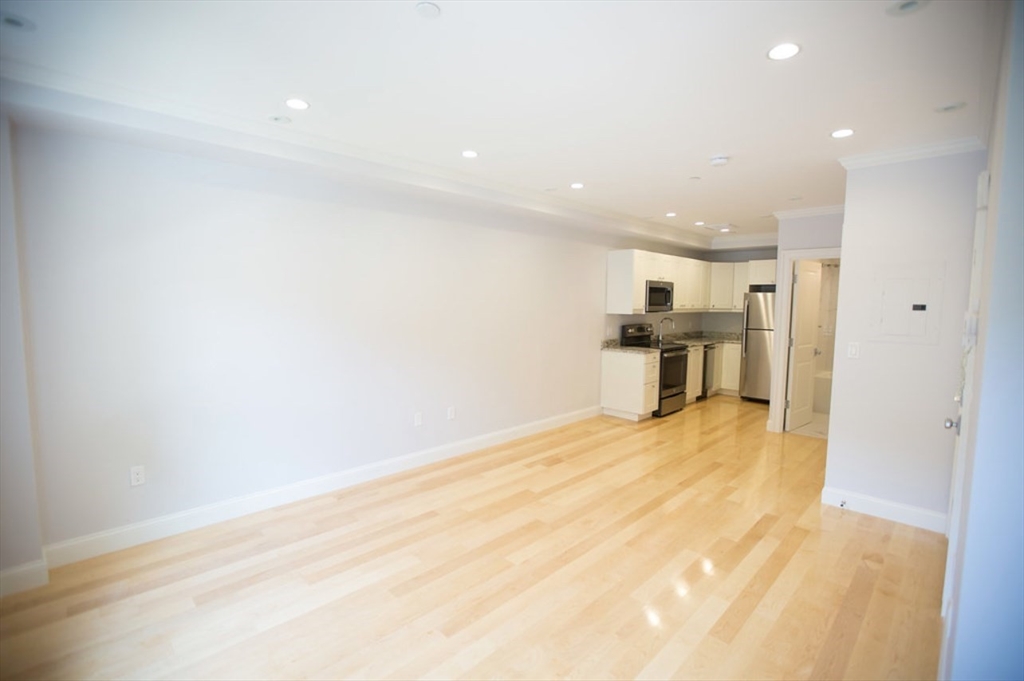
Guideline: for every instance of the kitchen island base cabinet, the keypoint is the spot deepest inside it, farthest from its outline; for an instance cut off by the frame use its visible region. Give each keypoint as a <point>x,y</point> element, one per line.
<point>629,383</point>
<point>731,368</point>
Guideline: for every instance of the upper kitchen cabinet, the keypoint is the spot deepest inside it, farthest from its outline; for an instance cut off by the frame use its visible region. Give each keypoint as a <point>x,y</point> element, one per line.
<point>740,284</point>
<point>722,282</point>
<point>762,272</point>
<point>628,274</point>
<point>627,280</point>
<point>692,284</point>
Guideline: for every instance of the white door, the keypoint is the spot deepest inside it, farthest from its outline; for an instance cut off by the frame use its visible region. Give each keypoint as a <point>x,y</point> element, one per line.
<point>954,520</point>
<point>803,338</point>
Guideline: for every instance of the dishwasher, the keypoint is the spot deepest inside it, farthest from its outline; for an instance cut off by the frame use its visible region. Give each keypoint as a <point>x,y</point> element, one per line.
<point>711,351</point>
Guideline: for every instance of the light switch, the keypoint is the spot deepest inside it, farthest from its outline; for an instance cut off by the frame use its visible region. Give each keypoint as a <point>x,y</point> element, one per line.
<point>853,350</point>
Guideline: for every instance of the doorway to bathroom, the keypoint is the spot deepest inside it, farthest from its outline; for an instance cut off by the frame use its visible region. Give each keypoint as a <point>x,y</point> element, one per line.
<point>813,305</point>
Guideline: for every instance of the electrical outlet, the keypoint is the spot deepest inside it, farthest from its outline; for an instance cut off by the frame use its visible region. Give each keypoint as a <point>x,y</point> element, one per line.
<point>451,413</point>
<point>138,475</point>
<point>853,350</point>
<point>417,419</point>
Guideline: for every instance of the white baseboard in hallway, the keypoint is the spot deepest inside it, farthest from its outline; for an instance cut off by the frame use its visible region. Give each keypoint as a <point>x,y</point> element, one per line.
<point>883,508</point>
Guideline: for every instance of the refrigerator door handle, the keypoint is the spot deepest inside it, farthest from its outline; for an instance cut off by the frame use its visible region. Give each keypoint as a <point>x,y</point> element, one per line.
<point>743,340</point>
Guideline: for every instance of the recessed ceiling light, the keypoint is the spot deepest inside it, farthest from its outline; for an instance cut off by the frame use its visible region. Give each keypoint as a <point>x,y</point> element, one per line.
<point>724,229</point>
<point>297,104</point>
<point>952,106</point>
<point>783,51</point>
<point>902,8</point>
<point>469,153</point>
<point>695,177</point>
<point>280,119</point>
<point>551,189</point>
<point>16,22</point>
<point>839,134</point>
<point>428,10</point>
<point>699,223</point>
<point>796,198</point>
<point>576,185</point>
<point>719,160</point>
<point>670,215</point>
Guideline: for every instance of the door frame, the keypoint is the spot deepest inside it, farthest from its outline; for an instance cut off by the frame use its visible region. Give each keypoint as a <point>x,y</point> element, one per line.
<point>783,312</point>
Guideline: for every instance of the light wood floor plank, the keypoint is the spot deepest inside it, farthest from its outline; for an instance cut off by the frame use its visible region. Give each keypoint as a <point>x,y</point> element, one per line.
<point>693,546</point>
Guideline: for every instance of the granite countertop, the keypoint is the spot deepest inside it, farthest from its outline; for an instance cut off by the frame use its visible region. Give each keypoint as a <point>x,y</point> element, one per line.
<point>635,350</point>
<point>689,338</point>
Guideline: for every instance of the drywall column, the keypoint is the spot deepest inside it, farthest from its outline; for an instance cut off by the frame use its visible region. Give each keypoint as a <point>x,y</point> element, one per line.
<point>988,624</point>
<point>21,552</point>
<point>907,242</point>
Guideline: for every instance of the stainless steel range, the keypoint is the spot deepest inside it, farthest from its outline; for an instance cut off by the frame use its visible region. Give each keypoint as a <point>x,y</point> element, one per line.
<point>672,383</point>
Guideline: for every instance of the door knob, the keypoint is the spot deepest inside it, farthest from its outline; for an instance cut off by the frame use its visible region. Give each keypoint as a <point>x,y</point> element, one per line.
<point>950,423</point>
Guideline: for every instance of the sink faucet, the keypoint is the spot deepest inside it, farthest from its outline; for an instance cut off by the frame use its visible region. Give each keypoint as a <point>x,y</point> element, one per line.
<point>661,327</point>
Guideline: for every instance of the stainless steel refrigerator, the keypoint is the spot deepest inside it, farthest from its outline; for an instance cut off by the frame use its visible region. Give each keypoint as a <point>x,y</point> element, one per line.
<point>758,329</point>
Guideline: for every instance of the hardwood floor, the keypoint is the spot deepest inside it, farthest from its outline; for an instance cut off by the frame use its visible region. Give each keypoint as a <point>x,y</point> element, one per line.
<point>688,547</point>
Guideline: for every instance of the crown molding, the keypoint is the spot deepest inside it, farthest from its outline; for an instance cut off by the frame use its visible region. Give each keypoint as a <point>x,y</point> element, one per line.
<point>183,131</point>
<point>809,212</point>
<point>735,242</point>
<point>960,146</point>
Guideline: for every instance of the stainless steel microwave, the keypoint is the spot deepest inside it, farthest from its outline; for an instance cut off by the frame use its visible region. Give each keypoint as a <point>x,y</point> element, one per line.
<point>659,296</point>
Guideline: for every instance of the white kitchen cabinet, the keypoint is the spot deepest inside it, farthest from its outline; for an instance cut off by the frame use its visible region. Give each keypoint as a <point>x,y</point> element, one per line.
<point>722,282</point>
<point>692,287</point>
<point>762,272</point>
<point>694,373</point>
<point>716,374</point>
<point>731,368</point>
<point>626,282</point>
<point>629,383</point>
<point>703,284</point>
<point>658,266</point>
<point>740,284</point>
<point>628,274</point>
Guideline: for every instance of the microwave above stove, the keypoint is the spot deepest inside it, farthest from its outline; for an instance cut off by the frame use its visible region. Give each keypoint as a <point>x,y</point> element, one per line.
<point>659,296</point>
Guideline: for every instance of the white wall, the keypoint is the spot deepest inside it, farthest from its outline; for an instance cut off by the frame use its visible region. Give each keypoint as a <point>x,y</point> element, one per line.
<point>988,625</point>
<point>235,329</point>
<point>20,538</point>
<point>812,231</point>
<point>888,453</point>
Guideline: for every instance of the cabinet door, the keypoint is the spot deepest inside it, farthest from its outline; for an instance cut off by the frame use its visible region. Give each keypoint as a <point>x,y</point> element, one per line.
<point>762,271</point>
<point>703,285</point>
<point>624,384</point>
<point>740,284</point>
<point>694,373</point>
<point>658,266</point>
<point>716,374</point>
<point>722,278</point>
<point>626,286</point>
<point>731,366</point>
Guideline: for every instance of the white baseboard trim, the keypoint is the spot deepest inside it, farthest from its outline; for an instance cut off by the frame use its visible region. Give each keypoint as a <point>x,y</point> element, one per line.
<point>115,539</point>
<point>24,577</point>
<point>883,508</point>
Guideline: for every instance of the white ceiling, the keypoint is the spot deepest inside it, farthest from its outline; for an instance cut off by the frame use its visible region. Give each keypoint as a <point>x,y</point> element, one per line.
<point>630,98</point>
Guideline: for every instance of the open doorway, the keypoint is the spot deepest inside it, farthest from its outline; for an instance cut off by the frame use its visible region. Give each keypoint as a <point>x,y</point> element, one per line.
<point>813,305</point>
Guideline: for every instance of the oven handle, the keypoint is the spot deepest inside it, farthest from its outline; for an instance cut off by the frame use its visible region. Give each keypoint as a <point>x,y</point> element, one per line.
<point>676,353</point>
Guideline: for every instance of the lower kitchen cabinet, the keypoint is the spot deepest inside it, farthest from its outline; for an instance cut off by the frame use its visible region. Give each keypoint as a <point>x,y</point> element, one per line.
<point>694,373</point>
<point>629,383</point>
<point>731,367</point>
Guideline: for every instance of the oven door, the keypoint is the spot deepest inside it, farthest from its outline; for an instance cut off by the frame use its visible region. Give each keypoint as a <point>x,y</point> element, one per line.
<point>673,372</point>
